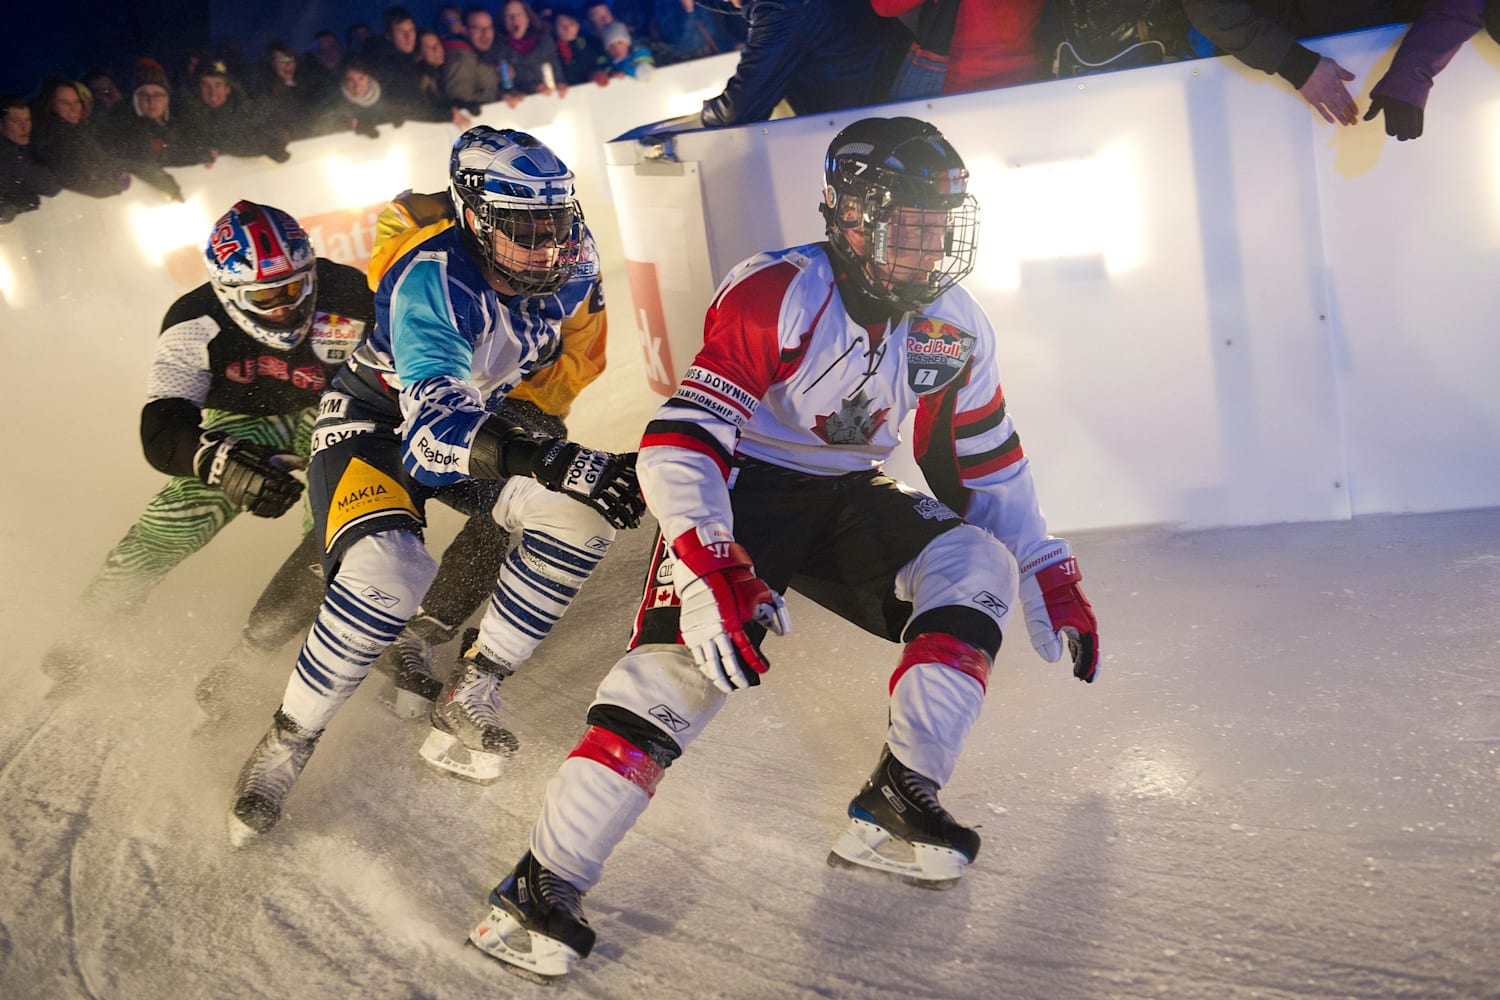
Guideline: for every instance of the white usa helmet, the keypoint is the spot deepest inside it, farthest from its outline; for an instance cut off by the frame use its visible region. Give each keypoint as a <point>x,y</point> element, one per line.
<point>519,190</point>
<point>262,267</point>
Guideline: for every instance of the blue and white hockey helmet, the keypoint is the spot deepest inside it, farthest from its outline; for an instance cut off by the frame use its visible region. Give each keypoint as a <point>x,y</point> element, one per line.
<point>262,267</point>
<point>526,228</point>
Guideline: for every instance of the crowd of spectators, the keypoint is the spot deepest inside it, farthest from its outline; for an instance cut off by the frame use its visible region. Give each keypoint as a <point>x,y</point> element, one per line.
<point>93,136</point>
<point>99,133</point>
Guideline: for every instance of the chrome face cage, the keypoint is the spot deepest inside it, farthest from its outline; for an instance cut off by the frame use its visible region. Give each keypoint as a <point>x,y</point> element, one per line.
<point>912,287</point>
<point>511,222</point>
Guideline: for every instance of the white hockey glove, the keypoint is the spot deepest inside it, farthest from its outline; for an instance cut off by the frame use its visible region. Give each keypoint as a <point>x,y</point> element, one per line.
<point>720,595</point>
<point>1057,611</point>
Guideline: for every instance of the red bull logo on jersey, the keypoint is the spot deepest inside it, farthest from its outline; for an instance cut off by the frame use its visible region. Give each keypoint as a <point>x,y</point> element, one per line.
<point>334,337</point>
<point>936,351</point>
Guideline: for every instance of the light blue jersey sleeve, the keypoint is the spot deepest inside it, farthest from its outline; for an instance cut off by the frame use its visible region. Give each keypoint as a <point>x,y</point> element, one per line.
<point>429,314</point>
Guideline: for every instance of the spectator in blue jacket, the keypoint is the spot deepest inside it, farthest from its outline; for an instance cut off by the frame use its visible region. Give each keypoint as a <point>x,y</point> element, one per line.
<point>818,55</point>
<point>626,58</point>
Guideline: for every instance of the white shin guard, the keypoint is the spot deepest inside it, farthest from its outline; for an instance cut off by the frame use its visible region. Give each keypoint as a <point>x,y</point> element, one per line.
<point>586,813</point>
<point>380,583</point>
<point>561,544</point>
<point>590,805</point>
<point>932,710</point>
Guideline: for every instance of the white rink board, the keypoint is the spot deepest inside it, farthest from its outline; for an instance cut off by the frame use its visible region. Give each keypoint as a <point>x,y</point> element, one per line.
<point>1201,323</point>
<point>1212,306</point>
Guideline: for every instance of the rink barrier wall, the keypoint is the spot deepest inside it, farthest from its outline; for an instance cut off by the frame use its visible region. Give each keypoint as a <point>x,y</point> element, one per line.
<point>1212,307</point>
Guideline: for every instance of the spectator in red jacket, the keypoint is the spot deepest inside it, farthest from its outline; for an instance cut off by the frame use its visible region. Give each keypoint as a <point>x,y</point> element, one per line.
<point>993,43</point>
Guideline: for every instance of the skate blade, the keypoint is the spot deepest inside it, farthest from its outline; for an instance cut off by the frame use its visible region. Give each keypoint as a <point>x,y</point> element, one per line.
<point>930,867</point>
<point>544,960</point>
<point>240,833</point>
<point>408,705</point>
<point>446,751</point>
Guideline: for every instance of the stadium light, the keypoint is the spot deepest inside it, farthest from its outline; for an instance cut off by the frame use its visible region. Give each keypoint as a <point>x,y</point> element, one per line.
<point>1085,208</point>
<point>357,183</point>
<point>160,229</point>
<point>10,292</point>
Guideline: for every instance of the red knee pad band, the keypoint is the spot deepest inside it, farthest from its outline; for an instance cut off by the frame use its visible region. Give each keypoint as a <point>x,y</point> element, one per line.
<point>620,756</point>
<point>948,651</point>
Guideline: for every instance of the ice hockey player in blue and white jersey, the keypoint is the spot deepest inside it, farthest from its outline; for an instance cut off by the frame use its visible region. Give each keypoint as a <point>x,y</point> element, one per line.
<point>764,472</point>
<point>469,303</point>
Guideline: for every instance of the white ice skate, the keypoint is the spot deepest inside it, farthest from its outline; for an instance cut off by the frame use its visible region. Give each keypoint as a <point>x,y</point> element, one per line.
<point>897,826</point>
<point>273,768</point>
<point>469,737</point>
<point>535,925</point>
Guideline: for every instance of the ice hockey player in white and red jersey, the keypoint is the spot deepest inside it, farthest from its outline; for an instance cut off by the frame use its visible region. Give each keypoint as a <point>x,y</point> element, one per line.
<point>764,472</point>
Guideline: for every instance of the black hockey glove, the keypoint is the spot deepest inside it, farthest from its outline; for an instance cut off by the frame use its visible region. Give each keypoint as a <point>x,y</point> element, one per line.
<point>249,474</point>
<point>1402,120</point>
<point>601,480</point>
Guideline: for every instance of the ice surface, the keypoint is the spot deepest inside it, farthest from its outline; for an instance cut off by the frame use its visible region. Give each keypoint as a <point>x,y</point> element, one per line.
<point>1285,784</point>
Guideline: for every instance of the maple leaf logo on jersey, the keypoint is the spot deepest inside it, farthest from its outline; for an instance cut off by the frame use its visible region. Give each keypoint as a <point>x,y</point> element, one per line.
<point>855,423</point>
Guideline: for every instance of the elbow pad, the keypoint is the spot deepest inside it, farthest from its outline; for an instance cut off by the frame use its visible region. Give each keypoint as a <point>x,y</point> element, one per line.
<point>169,435</point>
<point>443,417</point>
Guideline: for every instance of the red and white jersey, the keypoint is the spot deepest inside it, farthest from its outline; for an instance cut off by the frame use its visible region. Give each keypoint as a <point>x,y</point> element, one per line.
<point>787,377</point>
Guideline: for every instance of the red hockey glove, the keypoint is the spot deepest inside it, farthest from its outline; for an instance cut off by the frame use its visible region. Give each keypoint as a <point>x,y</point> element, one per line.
<point>1056,609</point>
<point>720,594</point>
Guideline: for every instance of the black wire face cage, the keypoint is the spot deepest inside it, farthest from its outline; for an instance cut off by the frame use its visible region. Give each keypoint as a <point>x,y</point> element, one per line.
<point>557,229</point>
<point>902,236</point>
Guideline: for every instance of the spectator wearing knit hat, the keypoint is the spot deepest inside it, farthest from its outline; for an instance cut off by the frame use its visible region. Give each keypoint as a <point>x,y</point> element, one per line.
<point>151,137</point>
<point>626,58</point>
<point>144,135</point>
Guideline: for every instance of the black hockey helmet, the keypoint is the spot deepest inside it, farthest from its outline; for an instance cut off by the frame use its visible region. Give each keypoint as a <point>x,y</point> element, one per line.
<point>885,180</point>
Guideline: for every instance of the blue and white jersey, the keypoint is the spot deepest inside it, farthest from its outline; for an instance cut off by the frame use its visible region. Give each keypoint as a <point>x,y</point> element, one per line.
<point>435,315</point>
<point>452,349</point>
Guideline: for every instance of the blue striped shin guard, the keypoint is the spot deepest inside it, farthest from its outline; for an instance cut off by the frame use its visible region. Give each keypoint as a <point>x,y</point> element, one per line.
<point>350,632</point>
<point>538,582</point>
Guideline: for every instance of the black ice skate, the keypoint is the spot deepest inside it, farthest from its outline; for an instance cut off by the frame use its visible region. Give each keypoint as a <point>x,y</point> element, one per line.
<point>536,925</point>
<point>470,736</point>
<point>898,804</point>
<point>267,777</point>
<point>409,687</point>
